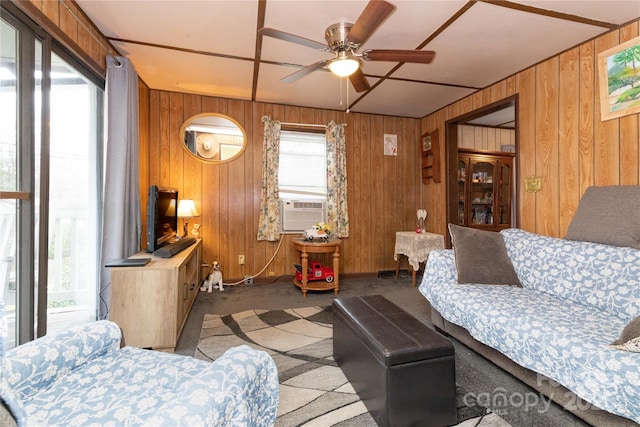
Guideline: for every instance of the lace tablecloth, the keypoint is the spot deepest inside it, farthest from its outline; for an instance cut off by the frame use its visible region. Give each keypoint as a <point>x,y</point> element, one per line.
<point>416,246</point>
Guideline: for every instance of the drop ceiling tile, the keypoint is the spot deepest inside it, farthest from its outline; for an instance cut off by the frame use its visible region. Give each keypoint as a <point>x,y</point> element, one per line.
<point>489,43</point>
<point>227,27</point>
<point>184,72</point>
<point>406,99</point>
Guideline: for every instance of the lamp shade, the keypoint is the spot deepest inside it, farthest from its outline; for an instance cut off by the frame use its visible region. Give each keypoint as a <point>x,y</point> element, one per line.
<point>344,67</point>
<point>187,209</point>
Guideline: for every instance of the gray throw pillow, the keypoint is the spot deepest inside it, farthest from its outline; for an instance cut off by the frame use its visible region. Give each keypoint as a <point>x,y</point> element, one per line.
<point>630,338</point>
<point>481,257</point>
<point>608,215</point>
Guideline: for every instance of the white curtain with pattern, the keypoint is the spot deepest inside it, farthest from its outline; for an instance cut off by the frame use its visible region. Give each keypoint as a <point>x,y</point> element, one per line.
<point>337,212</point>
<point>269,221</point>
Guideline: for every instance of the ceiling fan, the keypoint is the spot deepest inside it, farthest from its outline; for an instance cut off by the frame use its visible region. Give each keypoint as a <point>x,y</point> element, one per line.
<point>344,39</point>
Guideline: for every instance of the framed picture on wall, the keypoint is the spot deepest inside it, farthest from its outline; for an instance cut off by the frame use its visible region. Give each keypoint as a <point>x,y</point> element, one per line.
<point>619,80</point>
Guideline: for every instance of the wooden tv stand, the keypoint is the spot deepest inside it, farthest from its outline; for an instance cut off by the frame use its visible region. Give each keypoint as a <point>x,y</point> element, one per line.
<point>151,303</point>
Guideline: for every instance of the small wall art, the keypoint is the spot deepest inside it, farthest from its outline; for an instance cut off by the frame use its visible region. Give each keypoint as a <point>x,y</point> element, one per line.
<point>390,144</point>
<point>619,80</point>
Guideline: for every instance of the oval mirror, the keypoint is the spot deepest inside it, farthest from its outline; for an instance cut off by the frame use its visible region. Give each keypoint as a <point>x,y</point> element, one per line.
<point>213,138</point>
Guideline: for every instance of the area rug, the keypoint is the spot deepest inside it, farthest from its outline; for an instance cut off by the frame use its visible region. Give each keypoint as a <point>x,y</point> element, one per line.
<point>313,389</point>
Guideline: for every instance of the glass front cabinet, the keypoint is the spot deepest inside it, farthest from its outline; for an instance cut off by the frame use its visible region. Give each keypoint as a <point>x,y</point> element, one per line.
<point>485,189</point>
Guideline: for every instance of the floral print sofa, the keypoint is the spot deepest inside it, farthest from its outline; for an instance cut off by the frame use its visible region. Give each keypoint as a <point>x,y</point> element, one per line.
<point>83,377</point>
<point>574,300</point>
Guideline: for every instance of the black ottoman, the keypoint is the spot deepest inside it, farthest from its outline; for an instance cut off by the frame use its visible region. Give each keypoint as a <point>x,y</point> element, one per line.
<point>403,371</point>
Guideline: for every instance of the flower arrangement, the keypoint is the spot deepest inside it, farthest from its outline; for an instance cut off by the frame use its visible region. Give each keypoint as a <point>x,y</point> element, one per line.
<point>322,228</point>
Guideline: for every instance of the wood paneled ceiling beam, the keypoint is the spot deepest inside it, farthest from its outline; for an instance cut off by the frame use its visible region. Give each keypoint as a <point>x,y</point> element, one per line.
<point>550,13</point>
<point>262,7</point>
<point>180,49</point>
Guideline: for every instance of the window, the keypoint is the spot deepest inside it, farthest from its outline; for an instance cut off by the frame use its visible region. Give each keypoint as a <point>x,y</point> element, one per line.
<point>302,169</point>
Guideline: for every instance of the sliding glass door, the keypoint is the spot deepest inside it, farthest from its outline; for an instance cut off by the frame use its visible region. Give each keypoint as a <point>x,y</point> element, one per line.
<point>72,249</point>
<point>50,182</point>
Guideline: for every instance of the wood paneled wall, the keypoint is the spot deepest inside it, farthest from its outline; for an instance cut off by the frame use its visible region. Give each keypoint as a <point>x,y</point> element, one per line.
<point>68,24</point>
<point>384,191</point>
<point>561,138</point>
<point>485,138</point>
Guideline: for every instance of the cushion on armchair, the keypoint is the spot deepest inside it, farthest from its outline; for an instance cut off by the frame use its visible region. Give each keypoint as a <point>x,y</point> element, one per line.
<point>34,365</point>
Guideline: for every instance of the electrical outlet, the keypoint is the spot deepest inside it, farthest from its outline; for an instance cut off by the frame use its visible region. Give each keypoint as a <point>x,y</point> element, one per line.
<point>241,259</point>
<point>248,280</point>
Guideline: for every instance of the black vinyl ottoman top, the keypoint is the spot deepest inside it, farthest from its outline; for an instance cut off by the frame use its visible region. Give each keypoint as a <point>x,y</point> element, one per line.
<point>403,370</point>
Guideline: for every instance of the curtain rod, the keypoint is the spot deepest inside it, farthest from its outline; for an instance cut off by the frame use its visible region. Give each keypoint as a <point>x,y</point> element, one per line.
<point>306,125</point>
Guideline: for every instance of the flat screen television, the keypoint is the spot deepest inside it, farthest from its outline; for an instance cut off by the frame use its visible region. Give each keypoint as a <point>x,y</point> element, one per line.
<point>162,216</point>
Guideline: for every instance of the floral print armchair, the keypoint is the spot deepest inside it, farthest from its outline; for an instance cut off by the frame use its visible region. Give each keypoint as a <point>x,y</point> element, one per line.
<point>82,376</point>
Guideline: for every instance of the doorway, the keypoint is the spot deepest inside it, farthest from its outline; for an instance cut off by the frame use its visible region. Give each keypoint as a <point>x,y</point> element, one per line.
<point>488,131</point>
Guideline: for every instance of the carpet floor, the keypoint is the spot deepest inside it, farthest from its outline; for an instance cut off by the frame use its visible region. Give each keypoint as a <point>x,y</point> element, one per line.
<point>313,389</point>
<point>474,373</point>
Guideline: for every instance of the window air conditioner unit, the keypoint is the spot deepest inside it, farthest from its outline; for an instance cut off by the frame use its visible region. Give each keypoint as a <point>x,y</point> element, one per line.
<point>298,215</point>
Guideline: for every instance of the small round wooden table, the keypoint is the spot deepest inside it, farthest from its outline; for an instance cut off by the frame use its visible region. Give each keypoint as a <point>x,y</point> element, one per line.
<point>317,247</point>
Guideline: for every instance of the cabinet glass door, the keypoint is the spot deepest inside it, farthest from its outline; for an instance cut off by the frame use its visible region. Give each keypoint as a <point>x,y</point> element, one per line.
<point>504,207</point>
<point>482,175</point>
<point>462,178</point>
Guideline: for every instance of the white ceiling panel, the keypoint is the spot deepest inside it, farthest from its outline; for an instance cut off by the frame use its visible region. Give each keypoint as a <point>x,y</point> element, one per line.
<point>412,23</point>
<point>489,43</point>
<point>183,72</point>
<point>409,99</point>
<point>210,26</point>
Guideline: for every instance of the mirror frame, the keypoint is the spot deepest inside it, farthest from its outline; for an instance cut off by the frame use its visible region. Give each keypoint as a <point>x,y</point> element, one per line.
<point>191,119</point>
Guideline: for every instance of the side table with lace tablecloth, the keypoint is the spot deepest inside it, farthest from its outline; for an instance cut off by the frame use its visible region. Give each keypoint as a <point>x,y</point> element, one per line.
<point>416,247</point>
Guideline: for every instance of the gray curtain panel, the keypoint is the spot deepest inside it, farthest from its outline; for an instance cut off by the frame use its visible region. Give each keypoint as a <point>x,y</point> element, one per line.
<point>121,221</point>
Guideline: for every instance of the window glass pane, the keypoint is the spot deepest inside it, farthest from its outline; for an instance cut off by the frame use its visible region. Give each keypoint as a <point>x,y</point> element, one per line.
<point>37,195</point>
<point>73,199</point>
<point>302,171</point>
<point>8,108</point>
<point>8,182</point>
<point>8,271</point>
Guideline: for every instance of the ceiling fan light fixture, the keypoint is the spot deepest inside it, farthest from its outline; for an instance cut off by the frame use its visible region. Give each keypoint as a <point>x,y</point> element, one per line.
<point>344,66</point>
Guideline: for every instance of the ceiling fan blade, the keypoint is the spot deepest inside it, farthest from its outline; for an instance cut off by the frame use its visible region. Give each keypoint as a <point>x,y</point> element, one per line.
<point>359,81</point>
<point>277,34</point>
<point>393,55</point>
<point>303,72</point>
<point>369,20</point>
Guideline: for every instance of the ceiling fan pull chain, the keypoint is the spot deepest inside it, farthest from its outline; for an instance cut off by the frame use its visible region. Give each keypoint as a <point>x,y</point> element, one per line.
<point>346,87</point>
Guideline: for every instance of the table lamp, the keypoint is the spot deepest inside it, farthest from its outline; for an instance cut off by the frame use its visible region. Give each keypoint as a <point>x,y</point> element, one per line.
<point>187,209</point>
